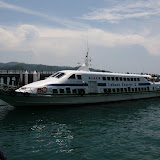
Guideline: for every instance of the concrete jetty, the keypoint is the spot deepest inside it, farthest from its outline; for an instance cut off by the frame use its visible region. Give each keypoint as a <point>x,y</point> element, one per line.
<point>19,78</point>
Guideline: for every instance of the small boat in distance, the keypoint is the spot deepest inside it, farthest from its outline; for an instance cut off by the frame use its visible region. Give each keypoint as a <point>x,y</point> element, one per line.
<point>82,86</point>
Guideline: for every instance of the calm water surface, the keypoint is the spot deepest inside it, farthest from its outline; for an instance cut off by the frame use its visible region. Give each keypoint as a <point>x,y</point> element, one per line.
<point>113,131</point>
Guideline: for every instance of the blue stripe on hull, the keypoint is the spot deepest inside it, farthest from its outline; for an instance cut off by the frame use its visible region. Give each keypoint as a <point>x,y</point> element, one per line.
<point>67,84</point>
<point>72,84</point>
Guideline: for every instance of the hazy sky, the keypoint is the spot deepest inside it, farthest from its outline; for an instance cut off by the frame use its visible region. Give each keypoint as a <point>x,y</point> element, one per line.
<point>122,35</point>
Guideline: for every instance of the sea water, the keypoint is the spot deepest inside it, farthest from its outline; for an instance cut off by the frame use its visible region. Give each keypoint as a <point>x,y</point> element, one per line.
<point>114,131</point>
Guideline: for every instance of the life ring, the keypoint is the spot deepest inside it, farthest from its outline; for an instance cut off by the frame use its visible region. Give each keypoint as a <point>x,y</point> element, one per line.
<point>44,89</point>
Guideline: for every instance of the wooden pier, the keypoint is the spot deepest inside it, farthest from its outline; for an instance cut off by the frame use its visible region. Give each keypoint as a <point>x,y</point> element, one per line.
<point>19,78</point>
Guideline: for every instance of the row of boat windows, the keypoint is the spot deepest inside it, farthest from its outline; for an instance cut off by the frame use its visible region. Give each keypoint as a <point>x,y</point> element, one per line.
<point>118,90</point>
<point>79,77</point>
<point>106,90</point>
<point>73,76</point>
<point>61,74</point>
<point>120,79</point>
<point>67,90</point>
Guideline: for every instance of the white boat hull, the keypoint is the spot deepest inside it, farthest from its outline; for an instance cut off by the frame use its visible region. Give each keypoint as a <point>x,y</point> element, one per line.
<point>54,100</point>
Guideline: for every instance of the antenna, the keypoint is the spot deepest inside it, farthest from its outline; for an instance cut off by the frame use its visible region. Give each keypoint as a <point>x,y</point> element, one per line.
<point>87,45</point>
<point>85,66</point>
<point>87,59</point>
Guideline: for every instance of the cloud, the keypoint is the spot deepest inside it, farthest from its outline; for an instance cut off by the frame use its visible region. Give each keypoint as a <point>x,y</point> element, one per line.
<point>48,45</point>
<point>99,37</point>
<point>61,21</point>
<point>127,10</point>
<point>64,46</point>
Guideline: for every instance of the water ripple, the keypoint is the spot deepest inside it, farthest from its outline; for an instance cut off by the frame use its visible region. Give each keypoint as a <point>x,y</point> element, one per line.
<point>125,131</point>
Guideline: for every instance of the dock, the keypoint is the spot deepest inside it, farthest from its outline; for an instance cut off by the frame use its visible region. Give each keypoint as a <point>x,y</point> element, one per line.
<point>17,78</point>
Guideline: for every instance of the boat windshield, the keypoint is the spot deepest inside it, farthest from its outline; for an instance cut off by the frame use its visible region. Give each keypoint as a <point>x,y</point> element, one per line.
<point>55,74</point>
<point>58,75</point>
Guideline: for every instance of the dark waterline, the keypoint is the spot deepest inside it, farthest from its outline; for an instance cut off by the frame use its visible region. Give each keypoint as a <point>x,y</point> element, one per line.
<point>124,131</point>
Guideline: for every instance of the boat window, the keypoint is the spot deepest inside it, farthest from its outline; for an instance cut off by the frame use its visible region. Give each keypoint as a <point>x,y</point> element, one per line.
<point>113,90</point>
<point>79,77</point>
<point>128,79</point>
<point>55,91</point>
<point>139,89</point>
<point>74,91</point>
<point>147,88</point>
<point>68,90</point>
<point>138,79</point>
<point>81,92</point>
<point>118,90</point>
<point>121,89</point>
<point>73,76</point>
<point>132,89</point>
<point>61,90</point>
<point>124,79</point>
<point>108,78</point>
<point>55,74</point>
<point>135,89</point>
<point>60,75</point>
<point>116,78</point>
<point>105,90</point>
<point>131,79</point>
<point>120,78</point>
<point>104,78</point>
<point>125,89</point>
<point>112,78</point>
<point>135,79</point>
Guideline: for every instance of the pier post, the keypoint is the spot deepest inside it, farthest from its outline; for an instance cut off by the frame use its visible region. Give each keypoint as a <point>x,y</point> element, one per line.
<point>38,76</point>
<point>10,80</point>
<point>35,76</point>
<point>21,78</point>
<point>13,81</point>
<point>18,81</point>
<point>1,82</point>
<point>5,80</point>
<point>26,77</point>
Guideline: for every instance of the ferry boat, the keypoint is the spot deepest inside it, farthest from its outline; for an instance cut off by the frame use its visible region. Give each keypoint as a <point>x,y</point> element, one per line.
<point>82,86</point>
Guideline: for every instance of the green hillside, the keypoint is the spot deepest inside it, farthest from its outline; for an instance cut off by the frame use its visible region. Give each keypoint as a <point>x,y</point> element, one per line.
<point>36,67</point>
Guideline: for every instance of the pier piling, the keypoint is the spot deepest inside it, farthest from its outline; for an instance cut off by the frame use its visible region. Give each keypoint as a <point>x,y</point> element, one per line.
<point>20,78</point>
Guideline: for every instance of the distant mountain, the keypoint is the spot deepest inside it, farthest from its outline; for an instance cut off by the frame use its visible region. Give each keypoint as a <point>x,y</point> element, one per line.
<point>12,63</point>
<point>37,67</point>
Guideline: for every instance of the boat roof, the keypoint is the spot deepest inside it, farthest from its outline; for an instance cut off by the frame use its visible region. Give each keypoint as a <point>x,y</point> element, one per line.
<point>102,73</point>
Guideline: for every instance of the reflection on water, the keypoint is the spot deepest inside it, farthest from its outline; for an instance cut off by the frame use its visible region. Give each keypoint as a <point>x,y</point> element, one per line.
<point>49,135</point>
<point>4,109</point>
<point>125,130</point>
